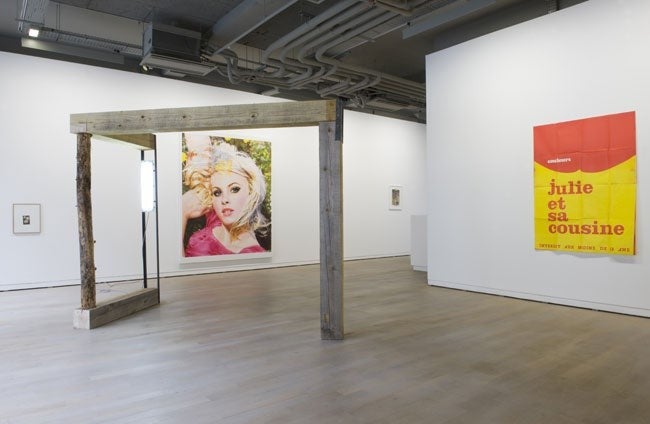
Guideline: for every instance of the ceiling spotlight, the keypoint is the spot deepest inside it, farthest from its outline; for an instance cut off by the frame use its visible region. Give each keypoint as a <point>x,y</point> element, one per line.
<point>33,32</point>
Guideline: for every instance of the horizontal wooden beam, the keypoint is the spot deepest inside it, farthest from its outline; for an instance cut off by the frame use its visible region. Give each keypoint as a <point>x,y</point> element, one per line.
<point>261,115</point>
<point>114,309</point>
<point>139,141</point>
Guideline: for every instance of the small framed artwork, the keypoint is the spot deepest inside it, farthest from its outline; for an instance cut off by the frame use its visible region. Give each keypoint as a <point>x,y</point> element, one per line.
<point>27,218</point>
<point>395,198</point>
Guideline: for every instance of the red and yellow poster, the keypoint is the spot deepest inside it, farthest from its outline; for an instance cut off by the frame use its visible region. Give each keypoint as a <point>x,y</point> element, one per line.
<point>585,185</point>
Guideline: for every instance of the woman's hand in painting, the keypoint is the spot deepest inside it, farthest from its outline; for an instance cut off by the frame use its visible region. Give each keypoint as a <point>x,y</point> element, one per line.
<point>193,206</point>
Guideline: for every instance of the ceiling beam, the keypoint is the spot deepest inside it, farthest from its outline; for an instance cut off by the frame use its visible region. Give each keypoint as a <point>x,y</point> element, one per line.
<point>443,16</point>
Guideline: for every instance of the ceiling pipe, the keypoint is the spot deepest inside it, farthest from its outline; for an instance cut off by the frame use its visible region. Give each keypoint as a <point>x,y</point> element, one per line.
<point>396,9</point>
<point>249,14</point>
<point>436,18</point>
<point>413,87</point>
<point>418,94</point>
<point>304,30</point>
<point>231,62</point>
<point>309,76</point>
<point>324,27</point>
<point>352,23</point>
<point>320,56</point>
<point>361,85</point>
<point>308,26</point>
<point>322,22</point>
<point>336,32</point>
<point>419,7</point>
<point>255,69</point>
<point>325,75</point>
<point>401,4</point>
<point>329,89</point>
<point>364,72</point>
<point>339,30</point>
<point>416,91</point>
<point>237,76</point>
<point>338,25</point>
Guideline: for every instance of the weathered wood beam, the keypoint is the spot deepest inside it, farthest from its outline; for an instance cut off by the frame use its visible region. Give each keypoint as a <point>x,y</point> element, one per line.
<point>262,115</point>
<point>139,141</point>
<point>115,309</point>
<point>85,217</point>
<point>331,226</point>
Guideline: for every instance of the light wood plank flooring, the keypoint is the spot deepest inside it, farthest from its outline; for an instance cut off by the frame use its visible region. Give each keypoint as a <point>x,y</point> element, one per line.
<point>245,347</point>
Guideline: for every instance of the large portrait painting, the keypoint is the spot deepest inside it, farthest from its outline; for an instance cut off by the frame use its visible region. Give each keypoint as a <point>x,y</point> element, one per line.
<point>226,197</point>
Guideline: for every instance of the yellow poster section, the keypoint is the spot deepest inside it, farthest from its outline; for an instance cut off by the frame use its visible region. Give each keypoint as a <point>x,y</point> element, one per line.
<point>586,212</point>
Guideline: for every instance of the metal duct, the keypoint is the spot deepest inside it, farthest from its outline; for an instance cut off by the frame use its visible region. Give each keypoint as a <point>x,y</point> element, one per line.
<point>32,12</point>
<point>244,18</point>
<point>315,67</point>
<point>88,41</point>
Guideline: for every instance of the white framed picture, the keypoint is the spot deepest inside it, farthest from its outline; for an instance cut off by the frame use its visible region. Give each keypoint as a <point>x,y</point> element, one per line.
<point>395,192</point>
<point>27,218</point>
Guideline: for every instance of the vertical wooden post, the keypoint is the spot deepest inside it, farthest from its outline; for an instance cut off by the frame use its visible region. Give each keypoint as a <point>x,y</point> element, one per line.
<point>85,214</point>
<point>330,136</point>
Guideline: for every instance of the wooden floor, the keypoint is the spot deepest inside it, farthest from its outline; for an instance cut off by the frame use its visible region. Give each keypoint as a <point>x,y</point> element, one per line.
<point>245,347</point>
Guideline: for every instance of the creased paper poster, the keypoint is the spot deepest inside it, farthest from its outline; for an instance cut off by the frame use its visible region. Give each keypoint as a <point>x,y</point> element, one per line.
<point>585,185</point>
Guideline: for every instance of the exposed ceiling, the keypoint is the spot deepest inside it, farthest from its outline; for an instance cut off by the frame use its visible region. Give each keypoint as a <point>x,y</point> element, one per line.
<point>371,53</point>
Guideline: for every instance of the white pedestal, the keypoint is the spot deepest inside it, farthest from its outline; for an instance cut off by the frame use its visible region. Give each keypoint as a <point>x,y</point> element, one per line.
<point>419,242</point>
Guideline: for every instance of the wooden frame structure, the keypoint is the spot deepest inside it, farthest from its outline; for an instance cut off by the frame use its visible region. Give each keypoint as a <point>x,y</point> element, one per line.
<point>90,314</point>
<point>137,128</point>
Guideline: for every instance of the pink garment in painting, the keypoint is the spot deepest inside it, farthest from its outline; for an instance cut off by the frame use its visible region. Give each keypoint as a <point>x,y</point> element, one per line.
<point>203,242</point>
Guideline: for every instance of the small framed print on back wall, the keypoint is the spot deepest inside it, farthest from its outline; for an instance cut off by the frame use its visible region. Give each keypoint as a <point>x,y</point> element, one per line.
<point>395,198</point>
<point>26,218</point>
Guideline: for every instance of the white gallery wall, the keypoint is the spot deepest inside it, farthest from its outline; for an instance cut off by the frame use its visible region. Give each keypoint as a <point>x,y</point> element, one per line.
<point>38,165</point>
<point>483,99</point>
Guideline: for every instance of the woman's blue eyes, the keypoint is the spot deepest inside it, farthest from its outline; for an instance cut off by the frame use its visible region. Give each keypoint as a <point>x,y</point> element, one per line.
<point>235,189</point>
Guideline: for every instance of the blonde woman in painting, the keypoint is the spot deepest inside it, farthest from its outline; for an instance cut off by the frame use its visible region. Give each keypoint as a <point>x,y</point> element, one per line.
<point>233,215</point>
<point>198,163</point>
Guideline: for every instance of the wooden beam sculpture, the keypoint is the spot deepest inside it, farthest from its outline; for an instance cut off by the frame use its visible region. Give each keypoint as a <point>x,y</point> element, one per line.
<point>331,227</point>
<point>137,128</point>
<point>90,314</point>
<point>206,118</point>
<point>85,213</point>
